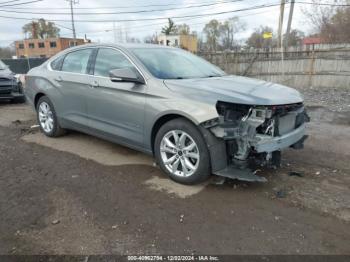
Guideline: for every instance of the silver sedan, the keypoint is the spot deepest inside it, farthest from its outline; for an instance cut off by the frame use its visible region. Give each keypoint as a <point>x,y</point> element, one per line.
<point>189,114</point>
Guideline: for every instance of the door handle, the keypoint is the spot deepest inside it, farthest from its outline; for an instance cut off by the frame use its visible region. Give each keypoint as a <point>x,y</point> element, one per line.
<point>59,79</point>
<point>94,84</point>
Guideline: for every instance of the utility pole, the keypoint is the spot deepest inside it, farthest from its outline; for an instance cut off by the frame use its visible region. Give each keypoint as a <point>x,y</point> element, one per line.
<point>280,23</point>
<point>73,2</point>
<point>290,19</point>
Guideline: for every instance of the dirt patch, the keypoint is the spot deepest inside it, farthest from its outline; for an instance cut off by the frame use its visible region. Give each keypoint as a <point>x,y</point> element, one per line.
<point>89,147</point>
<point>68,220</point>
<point>55,201</point>
<point>12,114</point>
<point>170,187</point>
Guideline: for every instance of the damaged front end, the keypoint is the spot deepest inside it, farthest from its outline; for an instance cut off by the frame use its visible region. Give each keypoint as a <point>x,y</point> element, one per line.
<point>244,136</point>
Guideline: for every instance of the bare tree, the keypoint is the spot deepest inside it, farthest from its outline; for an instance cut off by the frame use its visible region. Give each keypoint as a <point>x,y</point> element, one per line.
<point>338,31</point>
<point>183,29</point>
<point>330,22</point>
<point>212,32</point>
<point>228,31</point>
<point>7,52</point>
<point>295,37</point>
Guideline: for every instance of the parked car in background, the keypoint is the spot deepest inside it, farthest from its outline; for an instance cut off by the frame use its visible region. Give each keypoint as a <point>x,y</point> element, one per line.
<point>189,114</point>
<point>10,86</point>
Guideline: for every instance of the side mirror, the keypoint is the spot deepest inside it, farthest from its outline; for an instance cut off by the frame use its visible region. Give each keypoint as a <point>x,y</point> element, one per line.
<point>126,75</point>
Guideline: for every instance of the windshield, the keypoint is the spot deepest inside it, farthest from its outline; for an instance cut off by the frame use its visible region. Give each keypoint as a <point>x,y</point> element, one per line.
<point>174,63</point>
<point>2,65</point>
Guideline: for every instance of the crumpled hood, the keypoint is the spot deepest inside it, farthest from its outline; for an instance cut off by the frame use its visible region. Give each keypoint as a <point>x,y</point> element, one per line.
<point>234,89</point>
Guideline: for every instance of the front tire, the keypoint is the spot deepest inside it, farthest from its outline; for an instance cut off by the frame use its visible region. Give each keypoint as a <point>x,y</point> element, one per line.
<point>47,118</point>
<point>181,152</point>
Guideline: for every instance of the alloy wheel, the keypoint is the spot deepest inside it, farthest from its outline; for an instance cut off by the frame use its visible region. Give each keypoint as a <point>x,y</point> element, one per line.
<point>179,153</point>
<point>46,117</point>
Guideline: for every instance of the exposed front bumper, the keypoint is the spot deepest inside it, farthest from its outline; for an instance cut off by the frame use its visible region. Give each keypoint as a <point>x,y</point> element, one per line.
<point>270,144</point>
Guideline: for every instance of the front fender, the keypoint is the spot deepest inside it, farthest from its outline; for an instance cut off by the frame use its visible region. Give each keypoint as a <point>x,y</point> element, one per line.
<point>157,108</point>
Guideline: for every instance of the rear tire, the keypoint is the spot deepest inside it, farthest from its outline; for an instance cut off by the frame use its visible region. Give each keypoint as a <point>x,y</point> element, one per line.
<point>47,118</point>
<point>181,152</point>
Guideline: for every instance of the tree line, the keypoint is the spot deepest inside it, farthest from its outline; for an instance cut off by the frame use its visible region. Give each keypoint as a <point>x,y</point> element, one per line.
<point>330,23</point>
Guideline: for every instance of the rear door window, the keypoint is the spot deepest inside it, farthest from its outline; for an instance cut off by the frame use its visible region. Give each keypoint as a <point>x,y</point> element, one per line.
<point>57,63</point>
<point>77,61</point>
<point>108,59</point>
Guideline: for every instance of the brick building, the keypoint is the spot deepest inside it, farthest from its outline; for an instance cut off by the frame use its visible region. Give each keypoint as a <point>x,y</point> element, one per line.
<point>45,47</point>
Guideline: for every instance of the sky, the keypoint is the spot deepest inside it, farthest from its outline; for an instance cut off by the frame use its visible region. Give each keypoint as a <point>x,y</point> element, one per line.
<point>100,26</point>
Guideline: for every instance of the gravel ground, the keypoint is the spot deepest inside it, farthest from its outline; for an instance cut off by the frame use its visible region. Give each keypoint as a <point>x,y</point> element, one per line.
<point>74,201</point>
<point>334,99</point>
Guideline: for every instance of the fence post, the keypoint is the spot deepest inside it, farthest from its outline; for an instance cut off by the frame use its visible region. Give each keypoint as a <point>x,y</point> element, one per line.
<point>312,68</point>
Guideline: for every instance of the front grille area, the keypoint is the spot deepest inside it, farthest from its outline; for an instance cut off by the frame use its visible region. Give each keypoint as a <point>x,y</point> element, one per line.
<point>6,85</point>
<point>286,123</point>
<point>285,109</point>
<point>289,118</point>
<point>5,89</point>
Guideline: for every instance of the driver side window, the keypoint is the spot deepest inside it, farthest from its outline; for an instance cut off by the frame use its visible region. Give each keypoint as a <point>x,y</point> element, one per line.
<point>108,59</point>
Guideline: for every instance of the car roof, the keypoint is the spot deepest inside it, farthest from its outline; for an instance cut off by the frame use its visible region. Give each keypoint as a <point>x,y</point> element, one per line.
<point>122,45</point>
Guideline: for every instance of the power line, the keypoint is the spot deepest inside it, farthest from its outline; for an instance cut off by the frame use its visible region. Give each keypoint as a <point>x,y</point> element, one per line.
<point>155,5</point>
<point>59,25</point>
<point>145,25</point>
<point>9,2</point>
<point>122,7</point>
<point>152,18</point>
<point>157,18</point>
<point>141,26</point>
<point>158,24</point>
<point>23,3</point>
<point>323,4</point>
<point>119,13</point>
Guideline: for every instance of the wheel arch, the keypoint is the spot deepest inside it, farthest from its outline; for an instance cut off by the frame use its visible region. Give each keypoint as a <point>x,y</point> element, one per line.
<point>37,97</point>
<point>164,119</point>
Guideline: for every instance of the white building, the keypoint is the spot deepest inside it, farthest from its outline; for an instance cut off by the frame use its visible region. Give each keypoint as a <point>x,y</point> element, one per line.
<point>188,42</point>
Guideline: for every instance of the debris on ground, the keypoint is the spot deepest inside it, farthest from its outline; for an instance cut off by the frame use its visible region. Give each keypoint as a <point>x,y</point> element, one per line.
<point>17,122</point>
<point>294,173</point>
<point>318,173</point>
<point>55,222</point>
<point>218,180</point>
<point>182,218</point>
<point>281,194</point>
